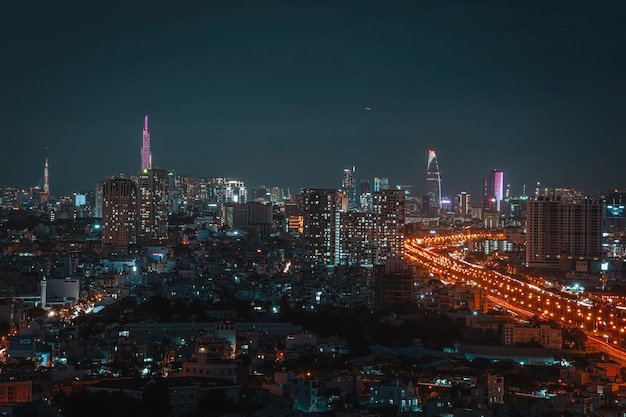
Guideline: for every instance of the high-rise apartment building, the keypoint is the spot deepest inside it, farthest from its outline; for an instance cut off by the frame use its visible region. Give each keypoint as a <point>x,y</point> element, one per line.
<point>320,209</point>
<point>332,234</point>
<point>393,285</point>
<point>388,218</point>
<point>563,227</point>
<point>152,206</point>
<point>356,237</point>
<point>493,191</point>
<point>433,180</point>
<point>119,212</point>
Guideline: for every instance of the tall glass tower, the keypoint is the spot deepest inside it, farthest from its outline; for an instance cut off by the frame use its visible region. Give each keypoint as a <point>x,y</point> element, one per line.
<point>146,154</point>
<point>348,185</point>
<point>433,180</point>
<point>493,191</point>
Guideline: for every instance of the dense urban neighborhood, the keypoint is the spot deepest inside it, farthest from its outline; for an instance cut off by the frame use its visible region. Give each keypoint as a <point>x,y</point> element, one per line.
<point>241,310</point>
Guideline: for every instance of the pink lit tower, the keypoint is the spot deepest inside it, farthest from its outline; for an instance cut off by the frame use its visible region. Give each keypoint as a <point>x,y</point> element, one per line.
<point>46,184</point>
<point>146,154</point>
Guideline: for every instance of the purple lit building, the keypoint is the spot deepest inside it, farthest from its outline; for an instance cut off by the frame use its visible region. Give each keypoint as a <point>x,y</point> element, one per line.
<point>493,191</point>
<point>146,154</point>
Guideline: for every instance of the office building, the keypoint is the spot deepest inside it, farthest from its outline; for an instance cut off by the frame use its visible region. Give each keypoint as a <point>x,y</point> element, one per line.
<point>381,183</point>
<point>433,181</point>
<point>614,211</point>
<point>348,186</point>
<point>463,206</point>
<point>254,216</point>
<point>493,191</point>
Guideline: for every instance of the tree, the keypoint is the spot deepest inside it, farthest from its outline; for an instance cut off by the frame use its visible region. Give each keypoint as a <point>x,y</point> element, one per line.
<point>574,338</point>
<point>156,307</point>
<point>155,401</point>
<point>215,404</point>
<point>99,404</point>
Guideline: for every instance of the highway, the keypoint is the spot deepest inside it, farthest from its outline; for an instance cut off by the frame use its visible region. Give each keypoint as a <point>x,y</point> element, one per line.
<point>602,319</point>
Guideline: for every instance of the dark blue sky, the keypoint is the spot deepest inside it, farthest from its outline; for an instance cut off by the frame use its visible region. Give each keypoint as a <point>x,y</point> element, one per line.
<point>274,92</point>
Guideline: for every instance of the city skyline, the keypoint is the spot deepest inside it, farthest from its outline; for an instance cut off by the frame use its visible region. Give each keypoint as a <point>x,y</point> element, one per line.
<point>291,95</point>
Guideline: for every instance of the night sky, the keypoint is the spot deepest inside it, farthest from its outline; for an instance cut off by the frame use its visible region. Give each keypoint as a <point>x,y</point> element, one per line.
<point>277,93</point>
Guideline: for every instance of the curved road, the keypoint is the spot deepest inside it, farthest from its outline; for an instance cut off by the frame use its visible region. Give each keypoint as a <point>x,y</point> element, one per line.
<point>526,297</point>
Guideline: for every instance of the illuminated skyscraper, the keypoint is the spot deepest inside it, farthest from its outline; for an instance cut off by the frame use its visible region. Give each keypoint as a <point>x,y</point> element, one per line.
<point>320,209</point>
<point>348,186</point>
<point>381,183</point>
<point>433,180</point>
<point>389,213</point>
<point>562,228</point>
<point>119,212</point>
<point>615,210</point>
<point>152,205</point>
<point>493,191</point>
<point>146,154</point>
<point>463,206</point>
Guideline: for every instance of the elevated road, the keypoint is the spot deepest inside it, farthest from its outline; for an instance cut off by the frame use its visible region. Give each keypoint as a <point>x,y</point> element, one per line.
<point>603,322</point>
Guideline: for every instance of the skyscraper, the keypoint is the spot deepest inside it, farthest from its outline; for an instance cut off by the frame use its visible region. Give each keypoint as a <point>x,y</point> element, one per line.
<point>152,205</point>
<point>615,210</point>
<point>493,191</point>
<point>146,154</point>
<point>381,183</point>
<point>389,213</point>
<point>559,228</point>
<point>320,209</point>
<point>433,180</point>
<point>119,212</point>
<point>348,186</point>
<point>463,206</point>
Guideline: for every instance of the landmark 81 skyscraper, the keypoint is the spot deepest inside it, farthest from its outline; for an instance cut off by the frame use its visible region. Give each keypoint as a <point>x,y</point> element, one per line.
<point>433,180</point>
<point>146,154</point>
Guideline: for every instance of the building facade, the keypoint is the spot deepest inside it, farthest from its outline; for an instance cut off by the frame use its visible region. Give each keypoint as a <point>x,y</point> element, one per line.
<point>152,216</point>
<point>348,186</point>
<point>563,227</point>
<point>463,205</point>
<point>388,219</point>
<point>493,191</point>
<point>515,334</point>
<point>320,209</point>
<point>119,212</point>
